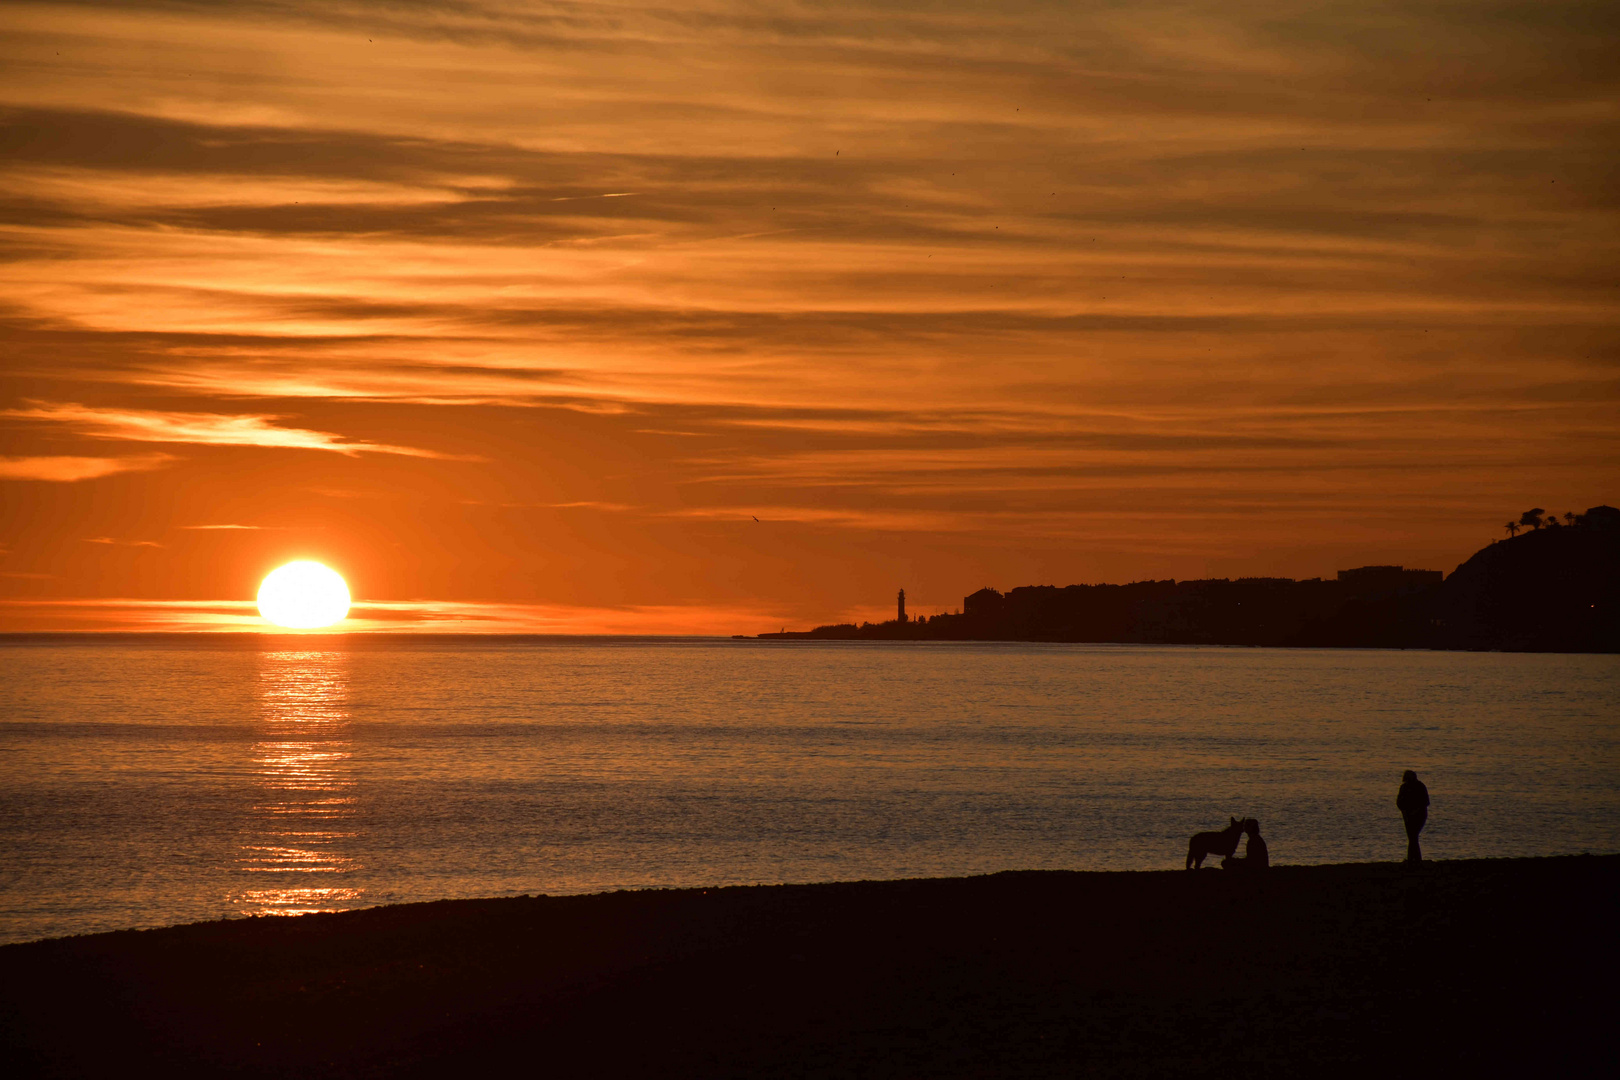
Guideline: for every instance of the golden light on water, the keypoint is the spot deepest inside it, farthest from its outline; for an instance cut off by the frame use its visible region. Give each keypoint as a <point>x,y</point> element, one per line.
<point>303,595</point>
<point>298,841</point>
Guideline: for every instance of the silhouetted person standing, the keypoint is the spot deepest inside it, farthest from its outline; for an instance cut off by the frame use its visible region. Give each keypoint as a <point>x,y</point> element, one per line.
<point>1255,855</point>
<point>1413,802</point>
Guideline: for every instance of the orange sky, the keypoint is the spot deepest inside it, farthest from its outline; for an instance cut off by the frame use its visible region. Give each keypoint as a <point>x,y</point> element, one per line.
<point>518,315</point>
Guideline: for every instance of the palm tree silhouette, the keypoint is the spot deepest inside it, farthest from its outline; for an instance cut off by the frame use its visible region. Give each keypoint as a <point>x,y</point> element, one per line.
<point>1513,528</point>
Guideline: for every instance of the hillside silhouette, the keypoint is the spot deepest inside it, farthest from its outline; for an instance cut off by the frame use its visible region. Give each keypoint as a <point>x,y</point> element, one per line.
<point>1555,587</point>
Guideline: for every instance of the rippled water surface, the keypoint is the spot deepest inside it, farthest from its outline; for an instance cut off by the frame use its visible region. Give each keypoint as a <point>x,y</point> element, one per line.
<point>149,784</point>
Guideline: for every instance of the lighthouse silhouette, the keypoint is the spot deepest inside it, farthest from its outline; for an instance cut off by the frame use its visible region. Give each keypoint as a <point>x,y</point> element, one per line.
<point>902,605</point>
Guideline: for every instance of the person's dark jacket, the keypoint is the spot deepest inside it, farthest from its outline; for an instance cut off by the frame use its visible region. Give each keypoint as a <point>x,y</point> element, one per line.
<point>1413,800</point>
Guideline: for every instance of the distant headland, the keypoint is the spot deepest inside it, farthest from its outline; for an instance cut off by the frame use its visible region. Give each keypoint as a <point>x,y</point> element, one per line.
<point>1552,586</point>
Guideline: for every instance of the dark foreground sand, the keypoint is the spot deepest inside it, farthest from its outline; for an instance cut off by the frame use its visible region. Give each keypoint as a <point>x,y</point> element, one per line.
<point>1491,967</point>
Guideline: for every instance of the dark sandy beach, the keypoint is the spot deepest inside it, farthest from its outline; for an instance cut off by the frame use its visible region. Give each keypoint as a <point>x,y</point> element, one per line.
<point>1489,967</point>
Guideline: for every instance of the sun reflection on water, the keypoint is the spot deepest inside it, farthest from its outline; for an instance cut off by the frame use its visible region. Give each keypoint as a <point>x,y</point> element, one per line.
<point>306,799</point>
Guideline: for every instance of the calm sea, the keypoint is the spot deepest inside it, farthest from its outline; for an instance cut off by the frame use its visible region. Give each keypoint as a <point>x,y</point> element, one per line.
<point>150,784</point>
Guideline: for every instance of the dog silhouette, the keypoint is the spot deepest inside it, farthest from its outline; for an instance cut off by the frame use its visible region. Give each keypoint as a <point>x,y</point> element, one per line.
<point>1205,844</point>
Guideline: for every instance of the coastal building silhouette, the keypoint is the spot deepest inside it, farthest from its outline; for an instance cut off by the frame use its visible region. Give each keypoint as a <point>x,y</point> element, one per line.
<point>1600,517</point>
<point>987,603</point>
<point>902,617</point>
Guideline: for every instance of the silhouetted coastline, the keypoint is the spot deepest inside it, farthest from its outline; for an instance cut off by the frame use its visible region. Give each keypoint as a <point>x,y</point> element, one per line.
<point>1478,967</point>
<point>1553,588</point>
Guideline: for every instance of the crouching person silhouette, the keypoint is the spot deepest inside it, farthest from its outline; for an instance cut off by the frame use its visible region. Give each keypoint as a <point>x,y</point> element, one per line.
<point>1255,856</point>
<point>1413,802</point>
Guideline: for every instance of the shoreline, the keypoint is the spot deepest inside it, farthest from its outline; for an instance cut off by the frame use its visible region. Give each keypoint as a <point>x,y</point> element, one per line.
<point>1115,973</point>
<point>379,640</point>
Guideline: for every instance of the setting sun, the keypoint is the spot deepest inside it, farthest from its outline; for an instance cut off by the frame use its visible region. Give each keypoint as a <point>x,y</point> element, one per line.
<point>303,595</point>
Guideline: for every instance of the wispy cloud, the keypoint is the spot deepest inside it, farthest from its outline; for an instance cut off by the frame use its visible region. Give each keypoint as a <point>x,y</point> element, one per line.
<point>71,469</point>
<point>121,543</point>
<point>442,616</point>
<point>232,527</point>
<point>213,429</point>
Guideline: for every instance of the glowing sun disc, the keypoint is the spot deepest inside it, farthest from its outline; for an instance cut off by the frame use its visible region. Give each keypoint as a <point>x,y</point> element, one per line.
<point>303,595</point>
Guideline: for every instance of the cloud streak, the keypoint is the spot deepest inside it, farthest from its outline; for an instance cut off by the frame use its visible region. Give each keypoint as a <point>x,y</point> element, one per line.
<point>121,543</point>
<point>135,615</point>
<point>67,470</point>
<point>212,429</point>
